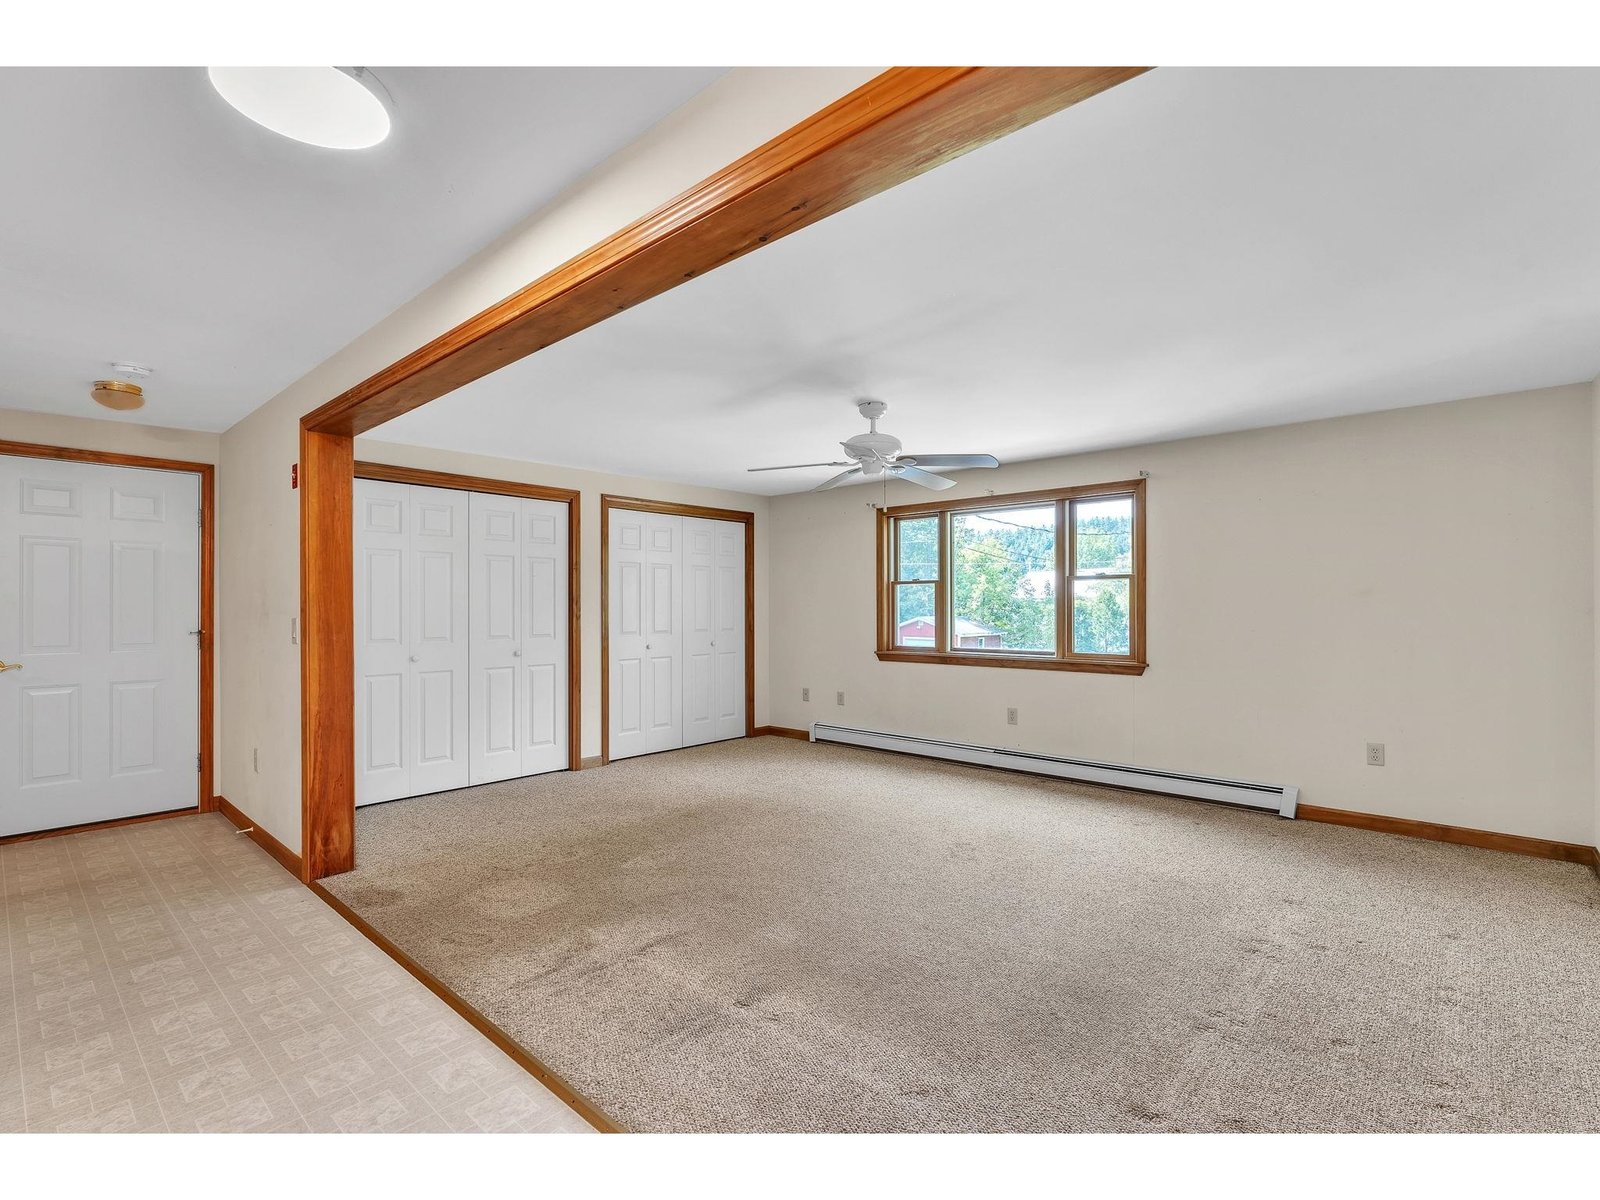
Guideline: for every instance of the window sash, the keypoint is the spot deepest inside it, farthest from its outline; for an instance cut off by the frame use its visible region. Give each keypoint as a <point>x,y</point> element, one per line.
<point>1067,574</point>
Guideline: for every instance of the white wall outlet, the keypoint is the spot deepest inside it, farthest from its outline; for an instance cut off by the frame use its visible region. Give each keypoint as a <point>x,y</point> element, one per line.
<point>255,761</point>
<point>1374,754</point>
<point>805,695</point>
<point>1011,716</point>
<point>838,698</point>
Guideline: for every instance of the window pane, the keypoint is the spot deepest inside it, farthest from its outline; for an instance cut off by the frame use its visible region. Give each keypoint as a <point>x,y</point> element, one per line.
<point>919,548</point>
<point>1100,616</point>
<point>1105,536</point>
<point>1003,570</point>
<point>913,615</point>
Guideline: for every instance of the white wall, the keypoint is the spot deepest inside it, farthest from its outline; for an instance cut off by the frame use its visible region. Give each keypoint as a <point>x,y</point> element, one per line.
<point>592,485</point>
<point>147,441</point>
<point>1422,578</point>
<point>259,552</point>
<point>1594,407</point>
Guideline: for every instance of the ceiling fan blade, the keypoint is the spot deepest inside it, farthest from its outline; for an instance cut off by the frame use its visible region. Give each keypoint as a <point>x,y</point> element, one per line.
<point>926,478</point>
<point>799,466</point>
<point>952,461</point>
<point>837,479</point>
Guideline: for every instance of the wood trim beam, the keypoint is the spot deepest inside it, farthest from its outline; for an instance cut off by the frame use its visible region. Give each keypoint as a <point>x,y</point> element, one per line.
<point>1459,835</point>
<point>327,654</point>
<point>672,509</point>
<point>207,687</point>
<point>893,128</point>
<point>418,477</point>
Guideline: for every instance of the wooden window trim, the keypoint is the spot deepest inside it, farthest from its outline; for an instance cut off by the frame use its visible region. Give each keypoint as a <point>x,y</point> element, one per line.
<point>1064,659</point>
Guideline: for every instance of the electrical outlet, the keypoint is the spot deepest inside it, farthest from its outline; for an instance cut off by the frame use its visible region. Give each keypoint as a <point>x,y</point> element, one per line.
<point>1374,754</point>
<point>255,761</point>
<point>805,695</point>
<point>1011,716</point>
<point>838,698</point>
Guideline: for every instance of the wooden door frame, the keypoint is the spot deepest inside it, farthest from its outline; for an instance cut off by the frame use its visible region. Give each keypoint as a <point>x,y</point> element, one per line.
<point>416,477</point>
<point>208,573</point>
<point>666,508</point>
<point>894,127</point>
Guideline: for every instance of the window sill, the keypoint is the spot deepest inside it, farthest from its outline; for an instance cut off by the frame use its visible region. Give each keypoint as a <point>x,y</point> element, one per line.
<point>1103,666</point>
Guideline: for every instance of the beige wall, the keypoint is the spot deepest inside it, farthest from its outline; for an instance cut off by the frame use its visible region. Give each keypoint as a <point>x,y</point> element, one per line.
<point>125,437</point>
<point>1421,578</point>
<point>117,437</point>
<point>1594,408</point>
<point>593,485</point>
<point>259,556</point>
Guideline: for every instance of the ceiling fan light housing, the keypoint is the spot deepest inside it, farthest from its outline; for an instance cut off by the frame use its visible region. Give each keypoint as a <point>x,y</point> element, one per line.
<point>337,108</point>
<point>117,395</point>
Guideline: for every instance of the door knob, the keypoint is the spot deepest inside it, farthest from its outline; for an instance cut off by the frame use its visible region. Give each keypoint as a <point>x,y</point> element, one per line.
<point>413,658</point>
<point>516,654</point>
<point>5,666</point>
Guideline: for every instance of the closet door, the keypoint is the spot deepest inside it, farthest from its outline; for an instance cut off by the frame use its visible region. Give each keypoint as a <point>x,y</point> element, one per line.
<point>713,630</point>
<point>438,646</point>
<point>644,633</point>
<point>545,610</point>
<point>385,733</point>
<point>728,642</point>
<point>495,709</point>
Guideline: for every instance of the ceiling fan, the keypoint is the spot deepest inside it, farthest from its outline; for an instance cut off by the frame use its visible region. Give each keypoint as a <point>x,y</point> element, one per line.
<point>874,454</point>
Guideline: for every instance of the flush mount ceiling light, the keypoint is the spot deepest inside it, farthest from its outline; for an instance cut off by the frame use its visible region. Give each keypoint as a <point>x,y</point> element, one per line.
<point>122,394</point>
<point>342,108</point>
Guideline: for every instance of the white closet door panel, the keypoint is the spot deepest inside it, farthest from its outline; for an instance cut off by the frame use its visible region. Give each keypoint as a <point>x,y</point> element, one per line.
<point>645,615</point>
<point>99,598</point>
<point>495,708</point>
<point>729,641</point>
<point>439,646</point>
<point>699,631</point>
<point>546,558</point>
<point>382,658</point>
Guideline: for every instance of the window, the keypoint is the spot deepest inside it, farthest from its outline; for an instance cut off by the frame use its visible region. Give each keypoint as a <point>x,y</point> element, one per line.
<point>1040,579</point>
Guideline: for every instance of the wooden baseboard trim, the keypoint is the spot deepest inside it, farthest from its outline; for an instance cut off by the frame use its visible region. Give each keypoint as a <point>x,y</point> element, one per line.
<point>287,858</point>
<point>586,763</point>
<point>12,839</point>
<point>1483,839</point>
<point>568,1095</point>
<point>799,735</point>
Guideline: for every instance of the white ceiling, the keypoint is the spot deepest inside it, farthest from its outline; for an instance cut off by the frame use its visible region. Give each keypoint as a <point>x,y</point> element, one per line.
<point>1196,251</point>
<point>143,219</point>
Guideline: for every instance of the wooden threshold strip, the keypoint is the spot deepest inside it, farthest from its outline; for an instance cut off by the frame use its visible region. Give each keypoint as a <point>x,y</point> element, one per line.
<point>38,835</point>
<point>502,1040</point>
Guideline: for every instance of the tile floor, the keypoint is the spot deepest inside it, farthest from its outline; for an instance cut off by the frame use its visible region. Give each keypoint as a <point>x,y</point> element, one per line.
<point>171,976</point>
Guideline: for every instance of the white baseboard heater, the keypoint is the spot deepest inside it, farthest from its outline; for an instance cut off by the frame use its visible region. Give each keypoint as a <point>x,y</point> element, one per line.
<point>1273,797</point>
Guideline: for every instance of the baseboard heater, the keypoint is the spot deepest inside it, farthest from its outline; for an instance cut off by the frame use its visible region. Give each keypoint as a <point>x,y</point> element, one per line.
<point>1270,796</point>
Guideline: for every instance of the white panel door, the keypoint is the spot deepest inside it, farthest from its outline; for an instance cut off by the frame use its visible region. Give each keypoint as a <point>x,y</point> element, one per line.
<point>728,642</point>
<point>495,634</point>
<point>713,630</point>
<point>99,604</point>
<point>439,650</point>
<point>385,734</point>
<point>545,614</point>
<point>644,633</point>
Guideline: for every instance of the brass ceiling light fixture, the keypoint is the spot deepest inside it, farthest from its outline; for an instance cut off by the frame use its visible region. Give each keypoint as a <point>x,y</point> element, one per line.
<point>122,394</point>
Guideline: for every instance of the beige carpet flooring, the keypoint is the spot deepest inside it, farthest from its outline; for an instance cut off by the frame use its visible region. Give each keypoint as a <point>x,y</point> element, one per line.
<point>768,935</point>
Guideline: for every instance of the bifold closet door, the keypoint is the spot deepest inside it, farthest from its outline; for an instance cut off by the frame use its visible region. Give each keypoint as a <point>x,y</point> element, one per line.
<point>713,630</point>
<point>411,640</point>
<point>99,621</point>
<point>520,613</point>
<point>644,632</point>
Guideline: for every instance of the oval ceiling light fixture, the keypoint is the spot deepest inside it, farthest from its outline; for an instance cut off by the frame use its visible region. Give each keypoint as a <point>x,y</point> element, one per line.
<point>122,394</point>
<point>341,108</point>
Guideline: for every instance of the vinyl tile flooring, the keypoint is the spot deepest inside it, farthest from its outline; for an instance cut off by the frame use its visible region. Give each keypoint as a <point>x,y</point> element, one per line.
<point>170,976</point>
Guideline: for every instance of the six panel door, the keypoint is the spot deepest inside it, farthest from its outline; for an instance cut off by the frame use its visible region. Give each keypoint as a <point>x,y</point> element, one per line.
<point>99,604</point>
